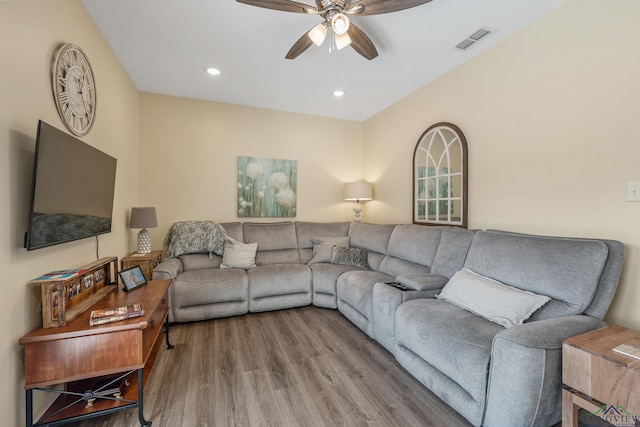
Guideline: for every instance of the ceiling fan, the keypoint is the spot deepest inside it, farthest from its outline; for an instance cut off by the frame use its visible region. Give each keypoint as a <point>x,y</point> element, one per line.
<point>335,12</point>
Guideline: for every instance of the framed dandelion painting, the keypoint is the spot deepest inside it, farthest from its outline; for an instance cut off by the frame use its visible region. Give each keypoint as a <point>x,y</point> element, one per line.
<point>266,187</point>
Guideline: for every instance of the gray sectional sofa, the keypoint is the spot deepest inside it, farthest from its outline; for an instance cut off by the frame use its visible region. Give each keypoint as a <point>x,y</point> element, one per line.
<point>446,338</point>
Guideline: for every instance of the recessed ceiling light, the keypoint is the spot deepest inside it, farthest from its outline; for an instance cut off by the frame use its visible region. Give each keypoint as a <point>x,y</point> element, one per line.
<point>213,71</point>
<point>338,93</point>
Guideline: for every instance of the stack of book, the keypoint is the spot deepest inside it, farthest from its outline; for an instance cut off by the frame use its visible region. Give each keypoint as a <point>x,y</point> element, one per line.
<point>100,317</point>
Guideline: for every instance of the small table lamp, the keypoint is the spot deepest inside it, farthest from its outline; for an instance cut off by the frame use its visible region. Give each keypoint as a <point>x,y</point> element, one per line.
<point>143,218</point>
<point>358,191</point>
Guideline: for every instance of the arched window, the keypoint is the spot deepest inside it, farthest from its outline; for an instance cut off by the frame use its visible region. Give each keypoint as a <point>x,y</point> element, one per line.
<point>440,177</point>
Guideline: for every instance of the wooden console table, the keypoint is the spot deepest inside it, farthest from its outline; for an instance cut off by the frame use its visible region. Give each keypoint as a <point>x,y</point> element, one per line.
<point>92,361</point>
<point>605,383</point>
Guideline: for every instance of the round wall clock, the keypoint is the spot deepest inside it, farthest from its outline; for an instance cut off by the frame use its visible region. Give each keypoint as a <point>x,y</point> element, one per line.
<point>74,89</point>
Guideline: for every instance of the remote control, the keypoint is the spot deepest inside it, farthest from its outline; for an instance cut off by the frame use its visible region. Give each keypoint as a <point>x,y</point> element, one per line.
<point>398,285</point>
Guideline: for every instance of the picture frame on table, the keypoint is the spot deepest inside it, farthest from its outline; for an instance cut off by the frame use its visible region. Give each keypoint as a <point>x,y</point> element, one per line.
<point>132,278</point>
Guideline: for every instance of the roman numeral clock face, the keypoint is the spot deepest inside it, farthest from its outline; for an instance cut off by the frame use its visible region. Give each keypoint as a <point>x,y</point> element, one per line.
<point>74,89</point>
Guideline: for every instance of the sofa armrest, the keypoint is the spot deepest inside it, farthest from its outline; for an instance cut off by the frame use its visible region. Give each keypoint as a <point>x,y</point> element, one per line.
<point>168,269</point>
<point>526,370</point>
<point>423,281</point>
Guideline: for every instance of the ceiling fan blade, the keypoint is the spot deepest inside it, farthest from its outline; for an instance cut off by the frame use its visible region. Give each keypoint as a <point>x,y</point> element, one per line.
<point>361,43</point>
<point>376,7</point>
<point>283,5</point>
<point>300,46</point>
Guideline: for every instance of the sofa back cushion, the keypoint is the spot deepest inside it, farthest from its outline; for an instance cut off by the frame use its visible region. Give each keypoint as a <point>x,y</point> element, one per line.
<point>374,237</point>
<point>567,270</point>
<point>277,242</point>
<point>307,231</point>
<point>234,230</point>
<point>452,251</point>
<point>411,249</point>
<point>200,261</point>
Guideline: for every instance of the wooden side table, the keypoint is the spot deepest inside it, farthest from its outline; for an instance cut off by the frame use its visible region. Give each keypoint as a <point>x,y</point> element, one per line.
<point>146,262</point>
<point>599,380</point>
<point>103,368</point>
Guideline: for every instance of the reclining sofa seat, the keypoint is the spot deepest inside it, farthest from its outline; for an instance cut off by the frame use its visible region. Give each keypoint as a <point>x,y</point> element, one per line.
<point>323,275</point>
<point>500,377</point>
<point>279,280</point>
<point>201,289</point>
<point>406,253</point>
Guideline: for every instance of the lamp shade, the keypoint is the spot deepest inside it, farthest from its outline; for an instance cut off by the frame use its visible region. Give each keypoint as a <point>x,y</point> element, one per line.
<point>358,191</point>
<point>143,218</point>
<point>318,34</point>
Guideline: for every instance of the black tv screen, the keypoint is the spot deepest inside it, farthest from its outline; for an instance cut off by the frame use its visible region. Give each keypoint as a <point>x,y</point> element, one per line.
<point>73,189</point>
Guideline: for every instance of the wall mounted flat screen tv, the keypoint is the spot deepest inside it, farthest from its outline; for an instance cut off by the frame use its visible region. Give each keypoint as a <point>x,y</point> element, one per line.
<point>73,189</point>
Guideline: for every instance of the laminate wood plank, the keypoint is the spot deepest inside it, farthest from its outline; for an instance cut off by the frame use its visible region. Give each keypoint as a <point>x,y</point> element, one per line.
<point>299,367</point>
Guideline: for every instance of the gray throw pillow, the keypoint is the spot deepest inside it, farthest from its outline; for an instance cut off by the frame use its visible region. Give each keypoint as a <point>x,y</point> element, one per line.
<point>350,256</point>
<point>323,246</point>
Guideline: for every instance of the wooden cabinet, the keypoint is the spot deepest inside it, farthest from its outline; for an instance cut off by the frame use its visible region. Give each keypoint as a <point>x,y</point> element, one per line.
<point>147,262</point>
<point>605,383</point>
<point>89,359</point>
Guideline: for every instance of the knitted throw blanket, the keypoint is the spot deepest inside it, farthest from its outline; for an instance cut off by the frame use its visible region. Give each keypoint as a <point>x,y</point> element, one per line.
<point>194,237</point>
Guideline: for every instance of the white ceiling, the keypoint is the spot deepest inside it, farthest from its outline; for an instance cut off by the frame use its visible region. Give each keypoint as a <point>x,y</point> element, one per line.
<point>165,46</point>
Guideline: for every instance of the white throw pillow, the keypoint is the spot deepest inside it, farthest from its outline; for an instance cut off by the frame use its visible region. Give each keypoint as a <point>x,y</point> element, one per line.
<point>238,254</point>
<point>495,301</point>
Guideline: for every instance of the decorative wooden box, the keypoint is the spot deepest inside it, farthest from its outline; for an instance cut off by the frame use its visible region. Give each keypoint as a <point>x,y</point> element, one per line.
<point>64,299</point>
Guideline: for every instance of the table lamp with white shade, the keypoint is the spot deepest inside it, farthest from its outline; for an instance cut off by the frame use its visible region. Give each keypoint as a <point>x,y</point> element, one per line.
<point>358,191</point>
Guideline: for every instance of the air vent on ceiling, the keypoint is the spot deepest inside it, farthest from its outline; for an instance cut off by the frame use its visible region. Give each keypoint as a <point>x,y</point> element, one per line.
<point>475,37</point>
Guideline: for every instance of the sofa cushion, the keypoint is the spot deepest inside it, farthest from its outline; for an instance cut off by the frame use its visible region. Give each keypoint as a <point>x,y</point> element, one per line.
<point>374,237</point>
<point>454,341</point>
<point>452,251</point>
<point>307,231</point>
<point>238,254</point>
<point>323,248</point>
<point>234,230</point>
<point>324,279</point>
<point>200,261</point>
<point>356,257</point>
<point>355,292</point>
<point>567,270</point>
<point>271,236</point>
<point>277,242</point>
<point>415,243</point>
<point>495,301</point>
<point>278,286</point>
<point>208,294</point>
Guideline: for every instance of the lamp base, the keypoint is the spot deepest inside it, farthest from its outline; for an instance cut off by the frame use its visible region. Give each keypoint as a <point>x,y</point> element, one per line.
<point>144,241</point>
<point>356,213</point>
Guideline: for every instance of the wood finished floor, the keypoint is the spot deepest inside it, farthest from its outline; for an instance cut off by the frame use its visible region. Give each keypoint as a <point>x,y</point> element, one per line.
<point>300,367</point>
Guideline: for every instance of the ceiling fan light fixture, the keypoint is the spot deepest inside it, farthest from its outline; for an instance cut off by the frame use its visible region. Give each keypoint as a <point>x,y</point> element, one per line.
<point>318,34</point>
<point>340,23</point>
<point>342,40</point>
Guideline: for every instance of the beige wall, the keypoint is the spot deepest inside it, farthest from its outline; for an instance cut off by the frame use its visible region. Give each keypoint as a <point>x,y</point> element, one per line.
<point>550,114</point>
<point>552,119</point>
<point>189,151</point>
<point>29,33</point>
